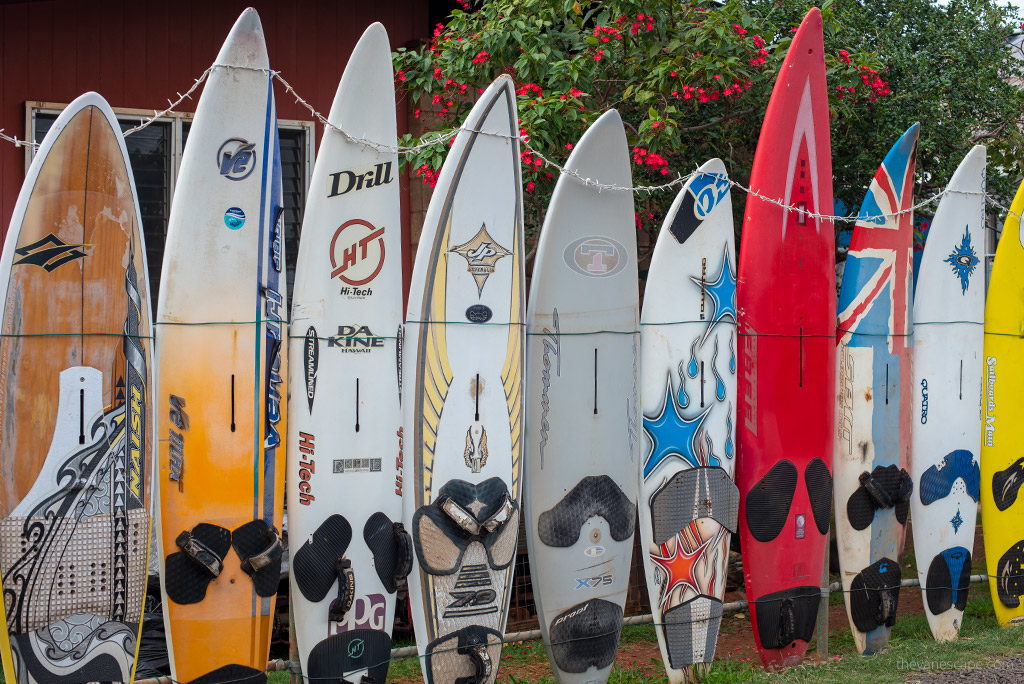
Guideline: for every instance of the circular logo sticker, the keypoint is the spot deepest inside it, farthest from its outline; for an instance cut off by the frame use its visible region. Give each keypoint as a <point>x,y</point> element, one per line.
<point>357,252</point>
<point>478,313</point>
<point>596,257</point>
<point>356,648</point>
<point>236,158</point>
<point>234,218</point>
<point>594,551</point>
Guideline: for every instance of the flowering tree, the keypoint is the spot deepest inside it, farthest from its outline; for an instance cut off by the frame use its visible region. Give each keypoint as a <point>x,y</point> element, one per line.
<point>692,80</point>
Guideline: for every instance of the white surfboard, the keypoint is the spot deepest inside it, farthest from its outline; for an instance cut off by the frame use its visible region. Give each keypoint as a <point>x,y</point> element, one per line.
<point>345,434</point>
<point>688,501</point>
<point>582,433</point>
<point>463,384</point>
<point>949,317</point>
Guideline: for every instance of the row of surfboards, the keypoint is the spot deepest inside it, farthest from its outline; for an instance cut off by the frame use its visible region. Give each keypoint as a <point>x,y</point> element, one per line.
<point>411,439</point>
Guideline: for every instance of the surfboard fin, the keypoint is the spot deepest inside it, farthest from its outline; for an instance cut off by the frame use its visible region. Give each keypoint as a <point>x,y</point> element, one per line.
<point>884,487</point>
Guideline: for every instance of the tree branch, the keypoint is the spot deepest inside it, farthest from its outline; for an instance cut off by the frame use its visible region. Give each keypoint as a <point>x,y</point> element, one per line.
<point>711,124</point>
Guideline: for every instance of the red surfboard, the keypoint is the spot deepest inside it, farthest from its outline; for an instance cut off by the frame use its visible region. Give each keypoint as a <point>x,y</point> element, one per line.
<point>786,383</point>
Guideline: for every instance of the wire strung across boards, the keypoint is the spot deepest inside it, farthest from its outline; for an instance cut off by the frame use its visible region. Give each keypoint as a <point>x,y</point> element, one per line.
<point>440,138</point>
<point>407,652</point>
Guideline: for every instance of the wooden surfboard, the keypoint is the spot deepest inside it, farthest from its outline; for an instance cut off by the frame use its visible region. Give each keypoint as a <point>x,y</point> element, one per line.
<point>949,318</point>
<point>786,381</point>
<point>76,409</point>
<point>1002,465</point>
<point>345,422</point>
<point>874,398</point>
<point>220,334</point>
<point>582,349</point>
<point>688,501</point>
<point>464,402</point>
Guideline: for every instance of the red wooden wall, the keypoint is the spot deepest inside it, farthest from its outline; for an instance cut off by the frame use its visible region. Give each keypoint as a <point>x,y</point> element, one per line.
<point>137,54</point>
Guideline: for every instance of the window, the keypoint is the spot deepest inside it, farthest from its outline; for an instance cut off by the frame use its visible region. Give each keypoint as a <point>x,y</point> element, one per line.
<point>155,154</point>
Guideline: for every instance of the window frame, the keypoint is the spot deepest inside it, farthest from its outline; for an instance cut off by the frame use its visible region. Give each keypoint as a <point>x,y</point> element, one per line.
<point>176,119</point>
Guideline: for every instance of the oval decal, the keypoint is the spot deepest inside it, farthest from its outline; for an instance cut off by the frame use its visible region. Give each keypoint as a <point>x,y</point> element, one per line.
<point>478,313</point>
<point>594,551</point>
<point>595,256</point>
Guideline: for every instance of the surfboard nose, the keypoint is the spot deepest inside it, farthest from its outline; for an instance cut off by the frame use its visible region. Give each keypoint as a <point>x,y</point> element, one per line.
<point>245,45</point>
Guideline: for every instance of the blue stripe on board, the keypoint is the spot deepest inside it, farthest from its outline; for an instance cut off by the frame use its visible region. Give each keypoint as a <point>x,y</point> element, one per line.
<point>257,424</point>
<point>273,283</point>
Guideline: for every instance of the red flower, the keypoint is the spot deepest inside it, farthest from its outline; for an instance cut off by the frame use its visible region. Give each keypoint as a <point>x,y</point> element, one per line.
<point>481,57</point>
<point>739,29</point>
<point>845,56</point>
<point>400,76</point>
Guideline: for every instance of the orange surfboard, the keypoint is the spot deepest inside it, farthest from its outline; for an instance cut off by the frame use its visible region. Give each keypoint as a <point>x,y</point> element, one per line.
<point>221,347</point>
<point>75,410</point>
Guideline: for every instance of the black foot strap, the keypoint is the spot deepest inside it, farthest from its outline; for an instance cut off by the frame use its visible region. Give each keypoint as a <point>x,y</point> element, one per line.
<point>464,513</point>
<point>259,546</point>
<point>882,488</point>
<point>391,546</point>
<point>346,591</point>
<point>187,573</point>
<point>313,565</point>
<point>875,595</point>
<point>787,616</point>
<point>467,656</point>
<point>594,495</point>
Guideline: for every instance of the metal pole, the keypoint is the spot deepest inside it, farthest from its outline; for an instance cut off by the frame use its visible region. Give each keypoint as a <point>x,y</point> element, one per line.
<point>823,612</point>
<point>293,650</point>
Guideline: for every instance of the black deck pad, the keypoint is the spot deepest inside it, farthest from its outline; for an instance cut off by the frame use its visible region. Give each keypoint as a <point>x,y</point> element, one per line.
<point>450,658</point>
<point>949,578</point>
<point>185,580</point>
<point>391,548</point>
<point>314,564</point>
<point>236,674</point>
<point>937,481</point>
<point>787,616</point>
<point>818,481</point>
<point>1006,483</point>
<point>333,660</point>
<point>691,494</point>
<point>769,500</point>
<point>1010,572</point>
<point>594,495</point>
<point>691,631</point>
<point>585,636</point>
<point>252,539</point>
<point>884,487</point>
<point>875,595</point>
<point>440,543</point>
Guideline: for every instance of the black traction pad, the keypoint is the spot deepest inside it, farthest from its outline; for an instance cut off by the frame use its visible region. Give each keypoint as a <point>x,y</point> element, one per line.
<point>818,481</point>
<point>185,581</point>
<point>585,636</point>
<point>691,631</point>
<point>949,578</point>
<point>875,595</point>
<point>594,495</point>
<point>861,506</point>
<point>937,482</point>
<point>335,658</point>
<point>440,543</point>
<point>382,540</point>
<point>101,667</point>
<point>692,494</point>
<point>449,657</point>
<point>787,616</point>
<point>1010,575</point>
<point>252,539</point>
<point>236,674</point>
<point>314,564</point>
<point>769,500</point>
<point>1006,483</point>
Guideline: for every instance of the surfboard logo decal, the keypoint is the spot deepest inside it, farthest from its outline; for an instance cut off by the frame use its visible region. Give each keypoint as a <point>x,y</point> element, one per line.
<point>236,158</point>
<point>49,253</point>
<point>595,256</point>
<point>234,218</point>
<point>704,194</point>
<point>357,253</point>
<point>963,259</point>
<point>481,253</point>
<point>312,358</point>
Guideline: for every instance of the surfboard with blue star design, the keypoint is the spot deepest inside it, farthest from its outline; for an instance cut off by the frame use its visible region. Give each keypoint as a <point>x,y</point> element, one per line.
<point>688,501</point>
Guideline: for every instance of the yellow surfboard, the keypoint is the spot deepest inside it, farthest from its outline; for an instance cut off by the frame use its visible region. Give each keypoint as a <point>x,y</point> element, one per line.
<point>1002,464</point>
